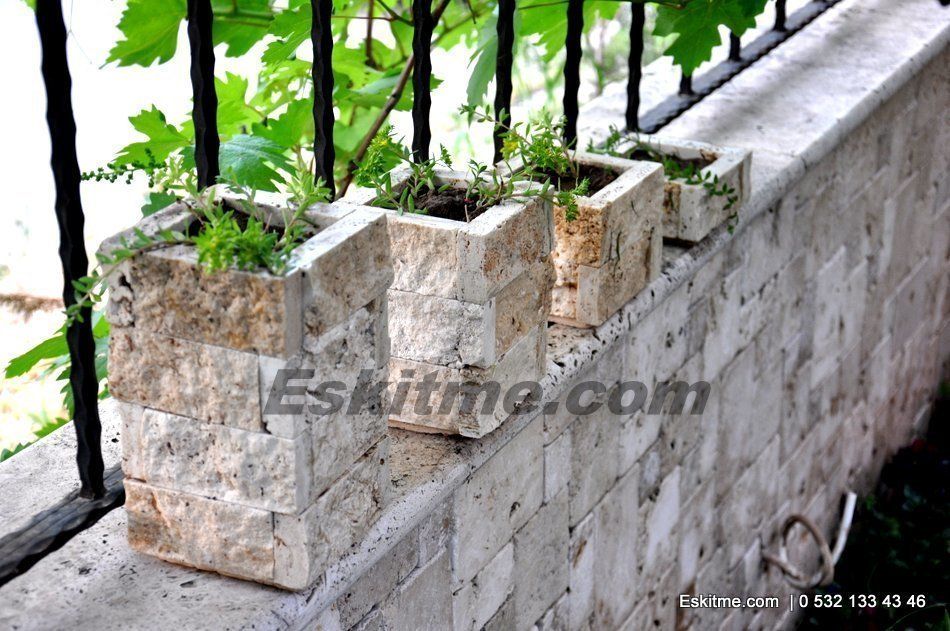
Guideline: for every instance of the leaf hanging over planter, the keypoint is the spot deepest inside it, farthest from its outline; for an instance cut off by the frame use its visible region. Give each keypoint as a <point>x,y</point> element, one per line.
<point>251,161</point>
<point>158,201</point>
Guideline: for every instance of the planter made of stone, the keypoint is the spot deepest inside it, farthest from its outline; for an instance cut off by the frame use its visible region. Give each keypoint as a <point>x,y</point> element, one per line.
<point>613,248</point>
<point>468,304</point>
<point>215,478</point>
<point>690,211</point>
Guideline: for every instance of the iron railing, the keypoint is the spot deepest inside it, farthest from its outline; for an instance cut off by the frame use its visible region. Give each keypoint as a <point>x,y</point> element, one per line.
<point>101,491</point>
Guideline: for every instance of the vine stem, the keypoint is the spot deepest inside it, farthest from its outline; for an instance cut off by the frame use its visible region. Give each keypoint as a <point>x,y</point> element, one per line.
<point>387,108</point>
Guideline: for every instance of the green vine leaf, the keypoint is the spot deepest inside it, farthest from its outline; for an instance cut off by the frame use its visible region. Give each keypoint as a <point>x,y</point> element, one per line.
<point>163,138</point>
<point>251,161</point>
<point>158,201</point>
<point>696,27</point>
<point>150,31</point>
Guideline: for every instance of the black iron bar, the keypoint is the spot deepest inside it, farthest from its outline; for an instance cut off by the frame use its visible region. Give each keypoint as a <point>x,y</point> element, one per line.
<point>205,110</point>
<point>703,85</point>
<point>686,84</point>
<point>635,65</point>
<point>505,31</point>
<point>72,247</point>
<point>321,37</point>
<point>572,69</point>
<point>780,17</point>
<point>421,78</point>
<point>735,47</point>
<point>49,530</point>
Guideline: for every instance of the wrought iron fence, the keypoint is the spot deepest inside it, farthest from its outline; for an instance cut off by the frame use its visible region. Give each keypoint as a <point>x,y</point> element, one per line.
<point>101,490</point>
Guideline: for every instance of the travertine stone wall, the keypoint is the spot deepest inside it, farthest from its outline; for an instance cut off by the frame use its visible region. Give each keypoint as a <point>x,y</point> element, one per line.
<point>819,327</point>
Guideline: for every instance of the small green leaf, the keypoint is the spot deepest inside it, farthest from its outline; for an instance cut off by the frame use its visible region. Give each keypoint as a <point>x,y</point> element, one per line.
<point>49,348</point>
<point>251,160</point>
<point>158,201</point>
<point>163,138</point>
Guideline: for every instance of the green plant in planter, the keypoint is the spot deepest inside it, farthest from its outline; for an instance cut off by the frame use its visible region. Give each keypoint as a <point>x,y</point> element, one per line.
<point>540,155</point>
<point>226,238</point>
<point>485,187</point>
<point>688,172</point>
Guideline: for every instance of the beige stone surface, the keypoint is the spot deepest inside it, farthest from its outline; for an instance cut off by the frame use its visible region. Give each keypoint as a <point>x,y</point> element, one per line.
<point>306,544</point>
<point>441,331</point>
<point>203,533</point>
<point>208,383</point>
<point>424,254</point>
<point>247,311</point>
<point>248,468</point>
<point>603,290</point>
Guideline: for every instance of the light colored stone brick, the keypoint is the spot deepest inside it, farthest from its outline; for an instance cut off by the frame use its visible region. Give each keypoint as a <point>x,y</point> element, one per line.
<point>594,461</point>
<point>308,542</point>
<point>475,603</point>
<point>496,501</point>
<point>218,462</point>
<point>557,466</point>
<point>199,532</point>
<point>211,384</point>
<point>582,555</point>
<point>617,552</point>
<point>541,561</point>
<point>424,600</point>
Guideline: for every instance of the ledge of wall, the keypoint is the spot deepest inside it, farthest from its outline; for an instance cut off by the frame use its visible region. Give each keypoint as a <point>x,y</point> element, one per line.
<point>794,109</point>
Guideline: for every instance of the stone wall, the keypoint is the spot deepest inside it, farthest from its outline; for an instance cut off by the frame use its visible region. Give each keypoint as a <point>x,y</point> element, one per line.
<point>821,325</point>
<point>819,328</point>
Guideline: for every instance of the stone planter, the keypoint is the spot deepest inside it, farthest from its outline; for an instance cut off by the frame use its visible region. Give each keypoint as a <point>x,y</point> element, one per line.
<point>690,211</point>
<point>218,476</point>
<point>468,305</point>
<point>613,248</point>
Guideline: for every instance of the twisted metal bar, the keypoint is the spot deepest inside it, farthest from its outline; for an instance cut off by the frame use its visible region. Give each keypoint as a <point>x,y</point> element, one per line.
<point>506,41</point>
<point>421,78</point>
<point>72,251</point>
<point>572,68</point>
<point>322,74</point>
<point>205,110</point>
<point>634,65</point>
<point>735,47</point>
<point>779,16</point>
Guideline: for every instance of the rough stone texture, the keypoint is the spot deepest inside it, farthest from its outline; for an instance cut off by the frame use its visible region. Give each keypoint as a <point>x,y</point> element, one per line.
<point>202,433</point>
<point>690,211</point>
<point>468,303</point>
<point>697,498</point>
<point>612,249</point>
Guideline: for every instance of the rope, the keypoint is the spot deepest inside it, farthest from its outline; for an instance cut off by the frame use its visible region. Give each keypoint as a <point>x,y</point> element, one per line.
<point>794,576</point>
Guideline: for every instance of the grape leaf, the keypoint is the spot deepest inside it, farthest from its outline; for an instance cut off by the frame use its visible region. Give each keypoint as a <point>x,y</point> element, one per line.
<point>158,201</point>
<point>239,36</point>
<point>251,160</point>
<point>163,138</point>
<point>696,27</point>
<point>291,127</point>
<point>150,31</point>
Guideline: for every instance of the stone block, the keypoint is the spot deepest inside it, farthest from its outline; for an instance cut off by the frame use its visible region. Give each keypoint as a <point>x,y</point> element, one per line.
<point>222,463</point>
<point>581,571</point>
<point>613,248</point>
<point>557,466</point>
<point>424,600</point>
<point>207,534</point>
<point>690,211</point>
<point>307,543</point>
<point>496,501</point>
<point>617,554</point>
<point>211,384</point>
<point>594,461</point>
<point>541,561</point>
<point>475,603</point>
<point>478,410</point>
<point>374,586</point>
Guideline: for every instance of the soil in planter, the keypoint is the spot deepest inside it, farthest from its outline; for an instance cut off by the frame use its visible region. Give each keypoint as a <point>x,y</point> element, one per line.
<point>242,219</point>
<point>683,163</point>
<point>597,177</point>
<point>450,203</point>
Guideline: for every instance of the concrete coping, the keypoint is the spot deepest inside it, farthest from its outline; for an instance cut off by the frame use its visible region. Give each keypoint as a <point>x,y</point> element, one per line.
<point>807,95</point>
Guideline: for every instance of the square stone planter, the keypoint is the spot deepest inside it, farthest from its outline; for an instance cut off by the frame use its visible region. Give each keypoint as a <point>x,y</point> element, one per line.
<point>222,472</point>
<point>613,248</point>
<point>468,305</point>
<point>690,211</point>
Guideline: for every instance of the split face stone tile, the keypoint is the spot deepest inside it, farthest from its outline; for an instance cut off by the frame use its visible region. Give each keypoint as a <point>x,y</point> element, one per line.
<point>690,211</point>
<point>581,556</point>
<point>307,543</point>
<point>594,461</point>
<point>424,600</point>
<point>222,463</point>
<point>199,532</point>
<point>596,270</point>
<point>211,384</point>
<point>481,406</point>
<point>496,501</point>
<point>616,584</point>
